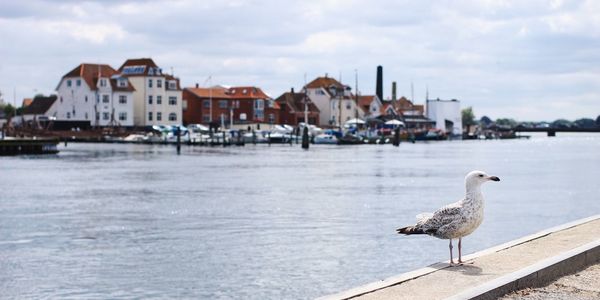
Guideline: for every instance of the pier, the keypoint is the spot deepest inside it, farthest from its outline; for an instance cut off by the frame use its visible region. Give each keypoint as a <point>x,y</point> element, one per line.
<point>531,261</point>
<point>16,146</point>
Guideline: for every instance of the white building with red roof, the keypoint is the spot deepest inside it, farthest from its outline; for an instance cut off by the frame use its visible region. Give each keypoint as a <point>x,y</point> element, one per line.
<point>334,100</point>
<point>157,96</point>
<point>96,93</point>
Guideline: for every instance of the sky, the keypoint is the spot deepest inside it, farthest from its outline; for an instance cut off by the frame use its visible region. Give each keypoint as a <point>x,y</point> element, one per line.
<point>527,60</point>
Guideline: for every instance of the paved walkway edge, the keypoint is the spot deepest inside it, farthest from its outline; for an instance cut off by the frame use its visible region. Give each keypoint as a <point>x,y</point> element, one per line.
<point>569,257</point>
<point>536,275</point>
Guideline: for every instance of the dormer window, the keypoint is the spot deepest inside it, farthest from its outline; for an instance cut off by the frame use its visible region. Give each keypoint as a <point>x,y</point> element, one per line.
<point>69,83</point>
<point>103,82</point>
<point>244,91</point>
<point>122,82</point>
<point>172,85</point>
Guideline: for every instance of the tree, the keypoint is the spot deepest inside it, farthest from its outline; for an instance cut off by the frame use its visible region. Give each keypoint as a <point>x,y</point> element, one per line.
<point>468,117</point>
<point>598,121</point>
<point>9,110</point>
<point>506,122</point>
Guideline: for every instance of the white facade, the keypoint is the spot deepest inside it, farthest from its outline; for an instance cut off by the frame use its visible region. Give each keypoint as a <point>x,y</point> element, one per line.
<point>100,104</point>
<point>157,97</point>
<point>328,103</point>
<point>446,114</point>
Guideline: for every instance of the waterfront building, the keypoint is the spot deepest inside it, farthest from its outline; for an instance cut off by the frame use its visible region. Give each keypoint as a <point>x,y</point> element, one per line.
<point>40,108</point>
<point>230,107</point>
<point>157,99</point>
<point>334,100</point>
<point>292,108</point>
<point>94,94</point>
<point>446,114</point>
<point>371,106</point>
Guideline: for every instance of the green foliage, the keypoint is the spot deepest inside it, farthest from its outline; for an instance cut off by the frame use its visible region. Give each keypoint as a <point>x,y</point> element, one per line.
<point>468,117</point>
<point>585,123</point>
<point>9,110</point>
<point>506,122</point>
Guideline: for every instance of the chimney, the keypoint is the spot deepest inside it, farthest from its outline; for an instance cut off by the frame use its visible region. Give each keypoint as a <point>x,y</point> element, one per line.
<point>197,85</point>
<point>292,90</point>
<point>393,91</point>
<point>379,85</point>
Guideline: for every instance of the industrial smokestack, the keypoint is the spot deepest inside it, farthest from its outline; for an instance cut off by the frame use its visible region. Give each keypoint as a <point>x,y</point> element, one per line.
<point>393,91</point>
<point>379,86</point>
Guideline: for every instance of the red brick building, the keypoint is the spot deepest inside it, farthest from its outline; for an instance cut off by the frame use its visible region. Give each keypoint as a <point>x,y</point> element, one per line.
<point>292,109</point>
<point>238,105</point>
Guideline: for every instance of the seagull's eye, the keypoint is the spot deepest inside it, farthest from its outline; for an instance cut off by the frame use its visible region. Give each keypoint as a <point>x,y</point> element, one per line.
<point>480,175</point>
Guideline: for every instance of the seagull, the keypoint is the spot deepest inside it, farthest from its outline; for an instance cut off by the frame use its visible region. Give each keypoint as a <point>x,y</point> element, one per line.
<point>455,220</point>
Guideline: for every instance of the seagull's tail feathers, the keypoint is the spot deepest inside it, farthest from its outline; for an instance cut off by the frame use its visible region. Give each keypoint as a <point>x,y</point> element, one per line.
<point>408,230</point>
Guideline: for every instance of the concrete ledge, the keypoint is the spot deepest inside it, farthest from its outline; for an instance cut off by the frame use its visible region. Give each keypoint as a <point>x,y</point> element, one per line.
<point>510,266</point>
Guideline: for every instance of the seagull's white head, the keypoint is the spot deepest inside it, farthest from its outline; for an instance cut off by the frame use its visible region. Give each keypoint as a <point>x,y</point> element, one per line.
<point>476,178</point>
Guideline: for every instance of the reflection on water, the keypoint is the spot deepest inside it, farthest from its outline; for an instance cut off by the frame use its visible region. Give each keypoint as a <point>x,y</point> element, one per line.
<point>117,221</point>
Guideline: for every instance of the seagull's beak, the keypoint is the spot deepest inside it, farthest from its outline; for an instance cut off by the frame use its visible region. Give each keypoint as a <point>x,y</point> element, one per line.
<point>494,178</point>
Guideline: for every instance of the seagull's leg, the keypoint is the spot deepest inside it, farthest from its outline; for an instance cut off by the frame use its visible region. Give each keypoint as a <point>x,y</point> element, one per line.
<point>460,250</point>
<point>450,247</point>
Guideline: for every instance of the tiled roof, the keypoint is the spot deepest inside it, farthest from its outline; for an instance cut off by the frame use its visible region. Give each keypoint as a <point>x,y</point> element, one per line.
<point>149,66</point>
<point>116,87</point>
<point>214,92</point>
<point>295,102</point>
<point>366,100</point>
<point>39,105</point>
<point>241,93</point>
<point>91,72</point>
<point>27,102</point>
<point>324,82</point>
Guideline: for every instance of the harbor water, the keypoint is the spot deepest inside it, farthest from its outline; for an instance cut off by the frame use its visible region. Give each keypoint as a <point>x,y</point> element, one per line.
<point>266,222</point>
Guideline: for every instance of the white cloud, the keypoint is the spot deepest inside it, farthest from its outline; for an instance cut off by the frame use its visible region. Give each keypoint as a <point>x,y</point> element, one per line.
<point>501,57</point>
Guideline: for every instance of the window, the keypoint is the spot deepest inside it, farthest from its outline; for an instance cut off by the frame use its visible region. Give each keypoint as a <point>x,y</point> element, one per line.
<point>205,103</point>
<point>222,103</point>
<point>97,116</point>
<point>69,83</point>
<point>78,82</point>
<point>122,82</point>
<point>103,82</point>
<point>105,116</point>
<point>320,92</point>
<point>158,83</point>
<point>259,104</point>
<point>122,99</point>
<point>259,114</point>
<point>159,99</point>
<point>159,116</point>
<point>244,91</point>
<point>172,85</point>
<point>122,116</point>
<point>60,99</point>
<point>68,115</point>
<point>172,117</point>
<point>374,108</point>
<point>86,98</point>
<point>149,83</point>
<point>347,118</point>
<point>150,99</point>
<point>86,116</point>
<point>172,100</point>
<point>348,106</point>
<point>206,118</point>
<point>271,118</point>
<point>97,98</point>
<point>184,104</point>
<point>150,116</point>
<point>105,99</point>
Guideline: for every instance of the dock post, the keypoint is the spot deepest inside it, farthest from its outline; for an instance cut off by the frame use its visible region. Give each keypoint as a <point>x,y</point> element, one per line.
<point>178,140</point>
<point>397,137</point>
<point>291,139</point>
<point>269,138</point>
<point>253,137</point>
<point>224,139</point>
<point>551,133</point>
<point>305,143</point>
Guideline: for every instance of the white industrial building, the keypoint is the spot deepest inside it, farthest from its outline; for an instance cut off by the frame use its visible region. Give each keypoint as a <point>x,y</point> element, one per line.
<point>446,114</point>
